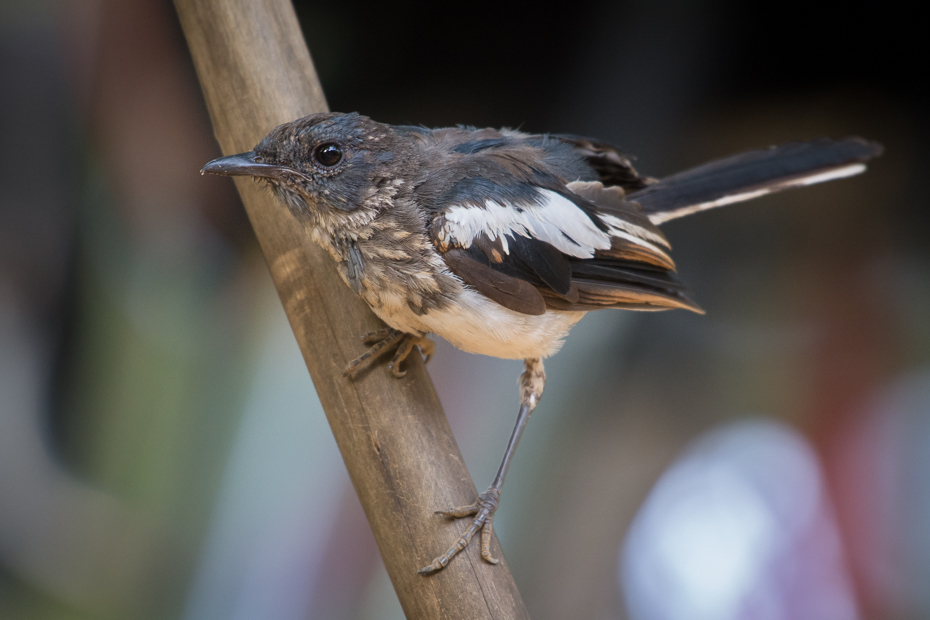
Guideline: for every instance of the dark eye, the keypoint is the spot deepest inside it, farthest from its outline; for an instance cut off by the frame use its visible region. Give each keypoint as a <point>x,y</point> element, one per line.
<point>328,154</point>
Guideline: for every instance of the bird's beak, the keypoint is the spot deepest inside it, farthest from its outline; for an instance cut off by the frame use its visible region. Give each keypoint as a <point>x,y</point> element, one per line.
<point>243,164</point>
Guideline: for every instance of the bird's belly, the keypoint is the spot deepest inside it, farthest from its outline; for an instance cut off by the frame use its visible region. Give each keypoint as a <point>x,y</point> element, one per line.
<point>478,325</point>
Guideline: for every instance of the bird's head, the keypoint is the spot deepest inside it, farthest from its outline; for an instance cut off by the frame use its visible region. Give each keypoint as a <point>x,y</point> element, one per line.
<point>327,167</point>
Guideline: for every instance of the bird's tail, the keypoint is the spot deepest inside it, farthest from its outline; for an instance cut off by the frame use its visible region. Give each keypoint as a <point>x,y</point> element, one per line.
<point>753,174</point>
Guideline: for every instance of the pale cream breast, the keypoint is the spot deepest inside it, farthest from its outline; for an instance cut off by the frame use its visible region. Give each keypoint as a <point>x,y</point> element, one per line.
<point>478,325</point>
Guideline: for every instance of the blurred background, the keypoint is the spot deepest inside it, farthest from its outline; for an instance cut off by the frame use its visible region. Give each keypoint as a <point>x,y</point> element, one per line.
<point>162,451</point>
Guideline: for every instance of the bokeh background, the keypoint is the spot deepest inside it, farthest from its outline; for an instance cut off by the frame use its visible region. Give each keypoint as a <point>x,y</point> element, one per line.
<point>162,452</point>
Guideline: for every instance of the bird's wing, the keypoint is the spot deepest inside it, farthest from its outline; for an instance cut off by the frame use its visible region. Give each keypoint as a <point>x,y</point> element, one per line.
<point>753,174</point>
<point>514,229</point>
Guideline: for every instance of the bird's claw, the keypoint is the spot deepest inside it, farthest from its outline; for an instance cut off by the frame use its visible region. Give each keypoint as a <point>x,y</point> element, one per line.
<point>483,510</point>
<point>383,341</point>
<point>377,335</point>
<point>396,371</point>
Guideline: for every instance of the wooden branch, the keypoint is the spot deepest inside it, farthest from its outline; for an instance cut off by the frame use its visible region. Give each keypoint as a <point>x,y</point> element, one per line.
<point>256,73</point>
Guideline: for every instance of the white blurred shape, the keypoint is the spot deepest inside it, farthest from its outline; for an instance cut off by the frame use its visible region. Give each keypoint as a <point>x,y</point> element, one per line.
<point>707,538</point>
<point>737,528</point>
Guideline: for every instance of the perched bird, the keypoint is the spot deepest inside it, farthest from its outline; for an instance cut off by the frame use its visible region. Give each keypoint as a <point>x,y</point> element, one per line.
<point>500,241</point>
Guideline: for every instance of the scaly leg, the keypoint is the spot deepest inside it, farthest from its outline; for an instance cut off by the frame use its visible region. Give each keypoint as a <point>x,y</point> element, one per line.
<point>384,340</point>
<point>532,382</point>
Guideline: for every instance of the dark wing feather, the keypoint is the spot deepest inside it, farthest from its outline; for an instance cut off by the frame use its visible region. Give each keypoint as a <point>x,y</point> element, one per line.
<point>510,292</point>
<point>630,272</point>
<point>608,282</point>
<point>550,265</point>
<point>597,295</point>
<point>613,167</point>
<point>753,174</point>
<point>529,260</point>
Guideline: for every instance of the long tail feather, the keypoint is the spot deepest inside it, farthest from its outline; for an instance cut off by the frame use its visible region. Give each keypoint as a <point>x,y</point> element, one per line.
<point>753,174</point>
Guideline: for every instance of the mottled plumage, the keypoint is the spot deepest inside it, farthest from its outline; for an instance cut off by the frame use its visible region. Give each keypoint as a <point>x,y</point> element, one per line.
<point>500,241</point>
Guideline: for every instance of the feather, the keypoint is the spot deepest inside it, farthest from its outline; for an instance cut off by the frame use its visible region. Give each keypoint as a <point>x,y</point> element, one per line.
<point>616,213</point>
<point>628,272</point>
<point>624,250</point>
<point>753,174</point>
<point>545,261</point>
<point>513,293</point>
<point>555,219</point>
<point>612,167</point>
<point>597,295</point>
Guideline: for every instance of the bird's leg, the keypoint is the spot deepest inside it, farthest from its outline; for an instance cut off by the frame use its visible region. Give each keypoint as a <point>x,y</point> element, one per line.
<point>532,382</point>
<point>384,340</point>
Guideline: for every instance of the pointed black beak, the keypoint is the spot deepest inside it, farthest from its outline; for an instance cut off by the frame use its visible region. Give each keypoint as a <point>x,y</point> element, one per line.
<point>243,164</point>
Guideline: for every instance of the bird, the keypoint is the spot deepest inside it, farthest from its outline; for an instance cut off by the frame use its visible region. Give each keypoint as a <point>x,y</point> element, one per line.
<point>499,241</point>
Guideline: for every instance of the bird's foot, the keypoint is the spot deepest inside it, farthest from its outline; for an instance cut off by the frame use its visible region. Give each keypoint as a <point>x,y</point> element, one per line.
<point>382,341</point>
<point>483,511</point>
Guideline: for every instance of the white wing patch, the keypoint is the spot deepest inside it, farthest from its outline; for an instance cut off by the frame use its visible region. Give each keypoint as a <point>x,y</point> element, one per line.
<point>630,231</point>
<point>557,221</point>
<point>813,179</point>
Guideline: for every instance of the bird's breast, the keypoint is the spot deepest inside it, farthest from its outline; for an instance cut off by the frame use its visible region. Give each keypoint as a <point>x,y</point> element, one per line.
<point>476,324</point>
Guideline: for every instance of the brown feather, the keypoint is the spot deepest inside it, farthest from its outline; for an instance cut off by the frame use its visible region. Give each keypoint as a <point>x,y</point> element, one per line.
<point>595,295</point>
<point>494,250</point>
<point>610,294</point>
<point>513,293</point>
<point>626,250</point>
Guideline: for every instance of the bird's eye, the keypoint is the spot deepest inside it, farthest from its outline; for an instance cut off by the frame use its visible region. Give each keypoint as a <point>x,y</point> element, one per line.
<point>328,154</point>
